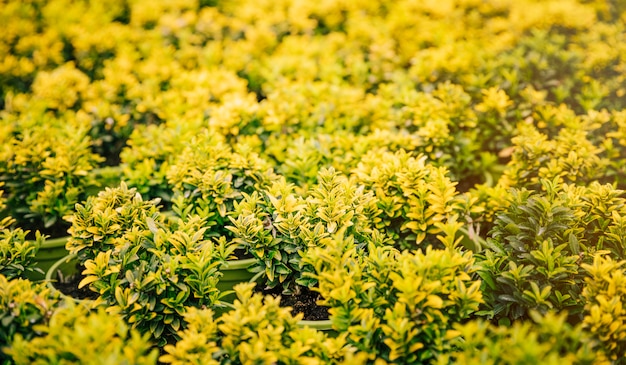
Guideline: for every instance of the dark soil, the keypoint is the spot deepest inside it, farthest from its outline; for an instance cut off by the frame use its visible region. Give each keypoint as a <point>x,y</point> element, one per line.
<point>69,286</point>
<point>304,302</point>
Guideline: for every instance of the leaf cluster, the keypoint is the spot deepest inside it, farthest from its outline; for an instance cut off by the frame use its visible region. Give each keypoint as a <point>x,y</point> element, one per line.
<point>256,330</point>
<point>395,306</point>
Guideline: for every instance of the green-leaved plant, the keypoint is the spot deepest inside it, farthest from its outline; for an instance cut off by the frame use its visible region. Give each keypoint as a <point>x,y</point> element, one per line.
<point>277,226</point>
<point>256,331</point>
<point>23,306</point>
<point>547,339</point>
<point>17,253</point>
<point>74,335</point>
<point>396,306</point>
<point>535,251</point>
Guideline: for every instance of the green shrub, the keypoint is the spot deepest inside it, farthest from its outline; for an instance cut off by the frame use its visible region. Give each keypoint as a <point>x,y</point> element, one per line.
<point>531,259</point>
<point>547,339</point>
<point>17,254</point>
<point>395,306</point>
<point>276,225</point>
<point>256,331</point>
<point>419,205</point>
<point>604,293</point>
<point>23,306</point>
<point>74,335</point>
<point>533,256</point>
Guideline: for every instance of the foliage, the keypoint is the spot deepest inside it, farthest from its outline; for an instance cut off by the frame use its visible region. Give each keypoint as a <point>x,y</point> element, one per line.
<point>45,172</point>
<point>154,275</point>
<point>209,176</point>
<point>74,335</point>
<point>531,261</point>
<point>395,306</point>
<point>17,254</point>
<point>547,339</point>
<point>442,121</point>
<point>23,306</point>
<point>604,314</point>
<point>110,219</point>
<point>569,157</point>
<point>256,330</point>
<point>277,226</point>
<point>537,245</point>
<point>150,150</point>
<point>419,205</point>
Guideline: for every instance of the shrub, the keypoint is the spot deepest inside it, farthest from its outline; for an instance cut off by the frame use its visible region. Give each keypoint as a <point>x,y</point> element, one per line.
<point>533,258</point>
<point>209,176</point>
<point>17,254</point>
<point>604,294</point>
<point>419,205</point>
<point>45,172</point>
<point>256,330</point>
<point>154,274</point>
<point>277,226</point>
<point>109,220</point>
<point>23,306</point>
<point>395,306</point>
<point>547,339</point>
<point>74,335</point>
<point>149,153</point>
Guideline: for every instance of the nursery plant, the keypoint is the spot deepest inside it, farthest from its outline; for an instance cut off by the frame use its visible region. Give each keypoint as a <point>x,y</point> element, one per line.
<point>101,222</point>
<point>17,253</point>
<point>257,330</point>
<point>547,339</point>
<point>210,176</point>
<point>535,251</point>
<point>23,306</point>
<point>396,306</point>
<point>418,203</point>
<point>277,225</point>
<point>604,314</point>
<point>45,170</point>
<point>144,267</point>
<point>75,335</point>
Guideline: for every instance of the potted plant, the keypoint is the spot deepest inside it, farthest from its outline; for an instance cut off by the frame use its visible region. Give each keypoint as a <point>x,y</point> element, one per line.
<point>75,335</point>
<point>257,330</point>
<point>18,254</point>
<point>24,305</point>
<point>143,265</point>
<point>417,201</point>
<point>45,170</point>
<point>277,226</point>
<point>208,179</point>
<point>545,339</point>
<point>396,306</point>
<point>532,259</point>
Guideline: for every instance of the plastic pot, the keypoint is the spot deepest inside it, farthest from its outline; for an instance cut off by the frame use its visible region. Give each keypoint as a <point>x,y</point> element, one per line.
<point>233,273</point>
<point>51,251</point>
<point>61,270</point>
